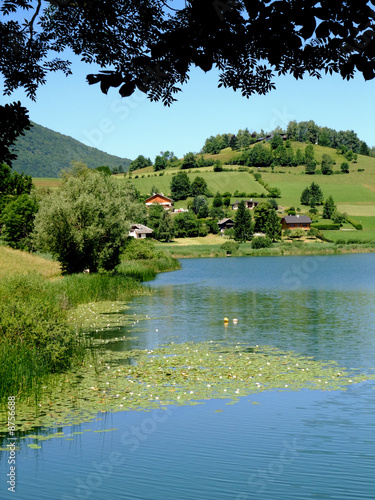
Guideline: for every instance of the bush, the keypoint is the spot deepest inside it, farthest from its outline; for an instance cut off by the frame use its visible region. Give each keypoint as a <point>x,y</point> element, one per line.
<point>355,224</point>
<point>326,227</point>
<point>261,242</point>
<point>297,233</point>
<point>139,249</point>
<point>230,247</point>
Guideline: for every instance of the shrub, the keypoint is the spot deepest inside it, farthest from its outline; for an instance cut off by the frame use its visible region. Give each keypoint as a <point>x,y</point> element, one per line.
<point>326,227</point>
<point>230,247</point>
<point>297,233</point>
<point>355,224</point>
<point>139,249</point>
<point>261,242</point>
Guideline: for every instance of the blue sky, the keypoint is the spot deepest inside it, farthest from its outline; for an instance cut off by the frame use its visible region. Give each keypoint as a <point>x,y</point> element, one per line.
<point>132,126</point>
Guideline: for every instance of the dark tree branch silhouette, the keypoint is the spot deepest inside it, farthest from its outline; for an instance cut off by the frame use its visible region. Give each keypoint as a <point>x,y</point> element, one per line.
<point>152,45</point>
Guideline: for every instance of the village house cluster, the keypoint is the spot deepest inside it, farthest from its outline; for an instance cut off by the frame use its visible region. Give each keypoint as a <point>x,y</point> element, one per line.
<point>287,222</point>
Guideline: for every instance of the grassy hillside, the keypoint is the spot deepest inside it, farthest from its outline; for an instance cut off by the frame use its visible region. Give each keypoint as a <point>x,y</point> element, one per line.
<point>43,153</point>
<point>216,181</point>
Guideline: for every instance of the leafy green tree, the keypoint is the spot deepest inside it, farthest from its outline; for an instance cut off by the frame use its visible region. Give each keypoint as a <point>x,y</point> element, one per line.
<point>140,162</point>
<point>243,226</point>
<point>364,149</point>
<point>329,208</point>
<point>151,47</point>
<point>17,219</point>
<point>200,206</point>
<point>276,141</point>
<point>199,186</point>
<point>217,202</point>
<point>297,233</point>
<point>104,169</point>
<point>344,167</point>
<point>160,163</point>
<point>326,165</point>
<point>260,156</point>
<point>261,213</point>
<point>189,161</point>
<point>186,225</point>
<point>180,186</point>
<point>13,183</point>
<point>218,166</point>
<point>309,152</point>
<point>154,214</point>
<point>316,193</point>
<point>85,223</point>
<point>165,230</point>
<point>305,196</point>
<point>310,167</point>
<point>272,226</point>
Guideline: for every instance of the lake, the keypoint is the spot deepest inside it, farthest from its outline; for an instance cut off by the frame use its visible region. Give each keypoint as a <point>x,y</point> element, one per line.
<point>276,445</point>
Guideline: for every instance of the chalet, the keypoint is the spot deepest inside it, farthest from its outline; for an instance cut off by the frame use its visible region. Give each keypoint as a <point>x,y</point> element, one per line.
<point>269,137</point>
<point>296,222</point>
<point>140,231</point>
<point>159,199</point>
<point>250,204</point>
<point>225,224</point>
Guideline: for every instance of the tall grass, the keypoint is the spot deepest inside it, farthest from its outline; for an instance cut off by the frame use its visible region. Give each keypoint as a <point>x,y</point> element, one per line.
<point>35,336</point>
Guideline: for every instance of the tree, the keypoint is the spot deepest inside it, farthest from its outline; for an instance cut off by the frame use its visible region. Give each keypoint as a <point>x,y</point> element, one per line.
<point>14,120</point>
<point>17,219</point>
<point>186,225</point>
<point>326,165</point>
<point>272,226</point>
<point>261,213</point>
<point>305,196</point>
<point>329,208</point>
<point>140,162</point>
<point>217,202</point>
<point>243,227</point>
<point>344,167</point>
<point>180,186</point>
<point>316,193</point>
<point>151,46</point>
<point>165,230</point>
<point>198,186</point>
<point>154,215</point>
<point>200,206</point>
<point>310,167</point>
<point>104,169</point>
<point>160,163</point>
<point>189,161</point>
<point>85,223</point>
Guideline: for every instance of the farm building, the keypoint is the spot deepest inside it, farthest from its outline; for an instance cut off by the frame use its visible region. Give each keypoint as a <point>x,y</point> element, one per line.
<point>250,204</point>
<point>225,224</point>
<point>140,231</point>
<point>296,221</point>
<point>159,199</point>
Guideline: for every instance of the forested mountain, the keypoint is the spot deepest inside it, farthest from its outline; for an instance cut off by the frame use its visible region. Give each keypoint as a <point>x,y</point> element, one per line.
<point>41,152</point>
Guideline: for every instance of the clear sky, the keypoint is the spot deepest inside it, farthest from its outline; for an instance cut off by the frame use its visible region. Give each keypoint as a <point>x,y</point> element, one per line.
<point>132,126</point>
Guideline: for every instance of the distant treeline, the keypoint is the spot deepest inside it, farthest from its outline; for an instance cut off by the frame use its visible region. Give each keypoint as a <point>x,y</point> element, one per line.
<point>302,132</point>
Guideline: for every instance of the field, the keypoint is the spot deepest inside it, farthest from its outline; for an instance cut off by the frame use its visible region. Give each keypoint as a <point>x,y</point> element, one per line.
<point>216,181</point>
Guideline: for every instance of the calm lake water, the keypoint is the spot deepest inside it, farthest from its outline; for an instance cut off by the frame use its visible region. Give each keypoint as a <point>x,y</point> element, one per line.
<point>287,446</point>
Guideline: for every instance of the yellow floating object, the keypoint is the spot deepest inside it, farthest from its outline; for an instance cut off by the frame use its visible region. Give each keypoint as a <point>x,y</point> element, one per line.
<point>226,320</point>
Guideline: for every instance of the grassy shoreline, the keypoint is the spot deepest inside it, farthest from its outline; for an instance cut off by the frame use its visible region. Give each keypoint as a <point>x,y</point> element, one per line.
<point>39,335</point>
<point>179,250</point>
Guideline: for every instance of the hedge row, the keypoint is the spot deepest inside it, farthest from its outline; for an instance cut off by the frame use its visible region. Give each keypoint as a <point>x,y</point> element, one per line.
<point>326,227</point>
<point>355,224</point>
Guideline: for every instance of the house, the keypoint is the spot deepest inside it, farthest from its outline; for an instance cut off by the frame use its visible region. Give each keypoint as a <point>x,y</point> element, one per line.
<point>296,221</point>
<point>140,231</point>
<point>250,204</point>
<point>225,224</point>
<point>159,199</point>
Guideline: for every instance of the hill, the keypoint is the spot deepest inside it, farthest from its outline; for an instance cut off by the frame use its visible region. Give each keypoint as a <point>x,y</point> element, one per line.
<point>43,153</point>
